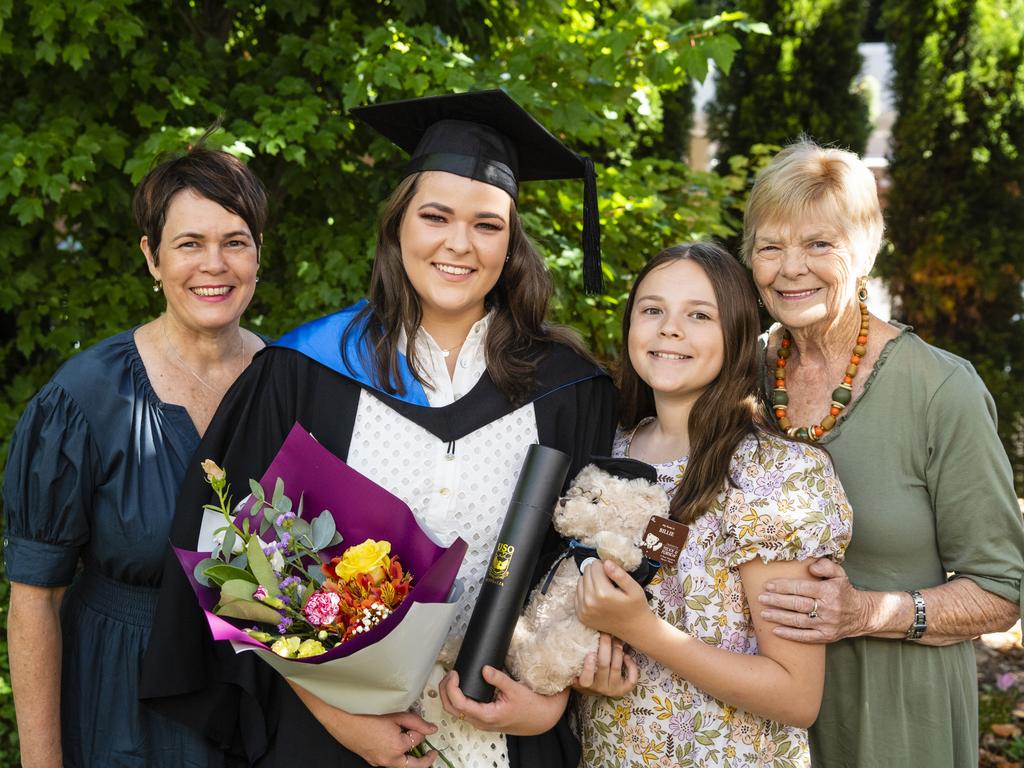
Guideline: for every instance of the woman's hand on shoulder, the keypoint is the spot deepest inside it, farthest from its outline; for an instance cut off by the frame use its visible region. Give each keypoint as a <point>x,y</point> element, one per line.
<point>516,710</point>
<point>610,671</point>
<point>839,607</point>
<point>381,740</point>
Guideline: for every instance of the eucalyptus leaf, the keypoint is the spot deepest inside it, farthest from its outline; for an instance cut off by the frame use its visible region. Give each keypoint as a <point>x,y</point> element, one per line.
<point>261,568</point>
<point>228,545</point>
<point>301,531</point>
<point>264,526</point>
<point>278,492</point>
<point>257,490</point>
<point>240,561</point>
<point>200,570</point>
<point>316,574</point>
<point>323,530</point>
<point>221,573</point>
<point>338,538</point>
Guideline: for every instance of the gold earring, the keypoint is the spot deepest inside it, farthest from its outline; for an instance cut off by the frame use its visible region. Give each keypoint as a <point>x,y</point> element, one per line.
<point>862,289</point>
<point>157,285</point>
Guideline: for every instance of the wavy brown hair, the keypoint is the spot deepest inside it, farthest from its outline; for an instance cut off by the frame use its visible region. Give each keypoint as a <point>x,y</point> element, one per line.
<point>519,301</point>
<point>729,409</point>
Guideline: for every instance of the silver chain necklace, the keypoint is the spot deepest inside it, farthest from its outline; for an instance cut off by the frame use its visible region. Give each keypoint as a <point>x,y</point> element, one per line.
<point>182,364</point>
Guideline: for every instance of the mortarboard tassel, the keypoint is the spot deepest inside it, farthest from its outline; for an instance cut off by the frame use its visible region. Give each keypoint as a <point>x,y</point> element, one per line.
<point>593,279</point>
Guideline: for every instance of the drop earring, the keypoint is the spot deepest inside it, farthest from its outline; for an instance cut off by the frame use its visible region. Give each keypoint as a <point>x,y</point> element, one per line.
<point>862,289</point>
<point>157,285</point>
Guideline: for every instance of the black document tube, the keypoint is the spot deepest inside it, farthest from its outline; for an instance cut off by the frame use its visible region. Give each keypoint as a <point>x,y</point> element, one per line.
<point>510,572</point>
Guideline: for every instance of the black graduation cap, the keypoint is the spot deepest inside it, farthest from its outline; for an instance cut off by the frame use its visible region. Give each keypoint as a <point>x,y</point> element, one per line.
<point>487,136</point>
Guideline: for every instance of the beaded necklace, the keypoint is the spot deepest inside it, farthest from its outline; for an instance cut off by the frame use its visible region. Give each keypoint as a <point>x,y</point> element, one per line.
<point>841,395</point>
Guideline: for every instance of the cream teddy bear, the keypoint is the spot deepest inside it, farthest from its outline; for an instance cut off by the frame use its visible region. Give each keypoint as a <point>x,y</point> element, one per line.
<point>607,508</point>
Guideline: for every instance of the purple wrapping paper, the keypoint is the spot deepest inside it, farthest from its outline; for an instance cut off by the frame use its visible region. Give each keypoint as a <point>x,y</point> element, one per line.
<point>361,510</point>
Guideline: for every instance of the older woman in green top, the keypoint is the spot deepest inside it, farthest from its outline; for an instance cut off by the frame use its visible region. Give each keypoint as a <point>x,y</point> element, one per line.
<point>938,545</point>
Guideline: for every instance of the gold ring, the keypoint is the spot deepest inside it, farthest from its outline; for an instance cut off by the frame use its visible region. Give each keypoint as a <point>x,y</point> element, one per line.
<point>813,614</point>
<point>462,715</point>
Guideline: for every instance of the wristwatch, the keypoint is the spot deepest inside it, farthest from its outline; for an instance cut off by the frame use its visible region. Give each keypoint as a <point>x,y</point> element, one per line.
<point>920,625</point>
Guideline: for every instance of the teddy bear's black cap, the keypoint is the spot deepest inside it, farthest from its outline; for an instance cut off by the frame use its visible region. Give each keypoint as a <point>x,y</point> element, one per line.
<point>628,469</point>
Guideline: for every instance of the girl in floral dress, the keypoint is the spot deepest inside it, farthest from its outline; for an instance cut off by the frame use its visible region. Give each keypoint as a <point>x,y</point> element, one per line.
<point>707,682</point>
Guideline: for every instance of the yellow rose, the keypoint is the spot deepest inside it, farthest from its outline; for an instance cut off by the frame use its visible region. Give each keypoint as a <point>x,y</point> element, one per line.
<point>368,557</point>
<point>287,646</point>
<point>310,648</point>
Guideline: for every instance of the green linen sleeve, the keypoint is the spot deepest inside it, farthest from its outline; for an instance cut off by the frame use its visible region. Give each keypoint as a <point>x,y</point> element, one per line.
<point>978,520</point>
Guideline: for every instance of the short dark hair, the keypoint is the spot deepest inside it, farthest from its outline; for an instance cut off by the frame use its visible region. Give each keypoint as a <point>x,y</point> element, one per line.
<point>210,173</point>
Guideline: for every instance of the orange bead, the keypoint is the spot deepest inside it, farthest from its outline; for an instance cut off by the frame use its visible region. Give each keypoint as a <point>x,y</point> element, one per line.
<point>847,380</point>
<point>835,411</point>
<point>818,431</point>
<point>855,359</point>
<point>785,341</point>
<point>780,383</point>
<point>780,412</point>
<point>781,362</point>
<point>862,339</point>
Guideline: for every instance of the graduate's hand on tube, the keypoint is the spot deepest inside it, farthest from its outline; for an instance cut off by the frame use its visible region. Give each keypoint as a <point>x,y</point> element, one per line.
<point>516,710</point>
<point>609,671</point>
<point>610,601</point>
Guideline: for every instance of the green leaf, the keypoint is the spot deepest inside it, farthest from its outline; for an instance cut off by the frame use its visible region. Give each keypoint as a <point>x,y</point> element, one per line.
<point>323,530</point>
<point>228,545</point>
<point>200,570</point>
<point>27,209</point>
<point>256,489</point>
<point>261,568</point>
<point>248,610</point>
<point>221,573</point>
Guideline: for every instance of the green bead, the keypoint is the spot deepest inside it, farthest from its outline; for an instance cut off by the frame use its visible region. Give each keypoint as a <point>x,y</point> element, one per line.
<point>780,397</point>
<point>842,395</point>
<point>802,434</point>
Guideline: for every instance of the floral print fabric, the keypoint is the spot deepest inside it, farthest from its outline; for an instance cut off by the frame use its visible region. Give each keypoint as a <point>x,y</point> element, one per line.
<point>786,504</point>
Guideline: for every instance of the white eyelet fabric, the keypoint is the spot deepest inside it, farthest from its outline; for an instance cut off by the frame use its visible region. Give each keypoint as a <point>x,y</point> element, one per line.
<point>454,490</point>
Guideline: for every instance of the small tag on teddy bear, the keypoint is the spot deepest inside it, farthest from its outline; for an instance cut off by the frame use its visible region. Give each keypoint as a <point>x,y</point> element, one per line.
<point>664,539</point>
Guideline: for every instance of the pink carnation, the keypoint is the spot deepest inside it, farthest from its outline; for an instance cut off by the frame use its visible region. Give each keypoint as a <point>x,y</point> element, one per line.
<point>322,608</point>
<point>260,593</point>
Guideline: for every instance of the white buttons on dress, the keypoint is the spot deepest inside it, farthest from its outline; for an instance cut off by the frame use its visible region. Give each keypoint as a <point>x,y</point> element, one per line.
<point>464,362</point>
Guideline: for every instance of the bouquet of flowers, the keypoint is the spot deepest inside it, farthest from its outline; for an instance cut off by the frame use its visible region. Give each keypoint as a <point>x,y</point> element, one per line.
<point>358,626</point>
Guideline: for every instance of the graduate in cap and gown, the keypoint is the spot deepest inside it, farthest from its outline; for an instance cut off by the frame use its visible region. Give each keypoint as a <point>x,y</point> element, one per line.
<point>434,388</point>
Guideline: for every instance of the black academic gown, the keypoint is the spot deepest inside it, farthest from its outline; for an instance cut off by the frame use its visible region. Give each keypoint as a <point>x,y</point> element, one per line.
<point>238,701</point>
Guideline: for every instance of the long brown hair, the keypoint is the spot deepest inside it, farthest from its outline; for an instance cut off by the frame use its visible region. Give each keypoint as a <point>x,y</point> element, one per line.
<point>729,409</point>
<point>519,301</point>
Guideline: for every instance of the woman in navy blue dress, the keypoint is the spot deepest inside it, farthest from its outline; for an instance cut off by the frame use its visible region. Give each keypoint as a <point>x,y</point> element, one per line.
<point>94,469</point>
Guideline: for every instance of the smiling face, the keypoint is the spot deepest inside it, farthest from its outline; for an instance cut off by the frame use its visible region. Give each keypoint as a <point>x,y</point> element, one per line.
<point>454,238</point>
<point>675,334</point>
<point>806,272</point>
<point>207,262</point>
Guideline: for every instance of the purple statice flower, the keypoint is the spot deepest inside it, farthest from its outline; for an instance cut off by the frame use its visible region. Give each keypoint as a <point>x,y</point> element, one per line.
<point>269,549</point>
<point>282,627</point>
<point>290,581</point>
<point>285,540</point>
<point>284,518</point>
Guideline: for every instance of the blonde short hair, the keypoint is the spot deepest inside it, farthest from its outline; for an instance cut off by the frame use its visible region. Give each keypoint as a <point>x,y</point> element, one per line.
<point>807,179</point>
